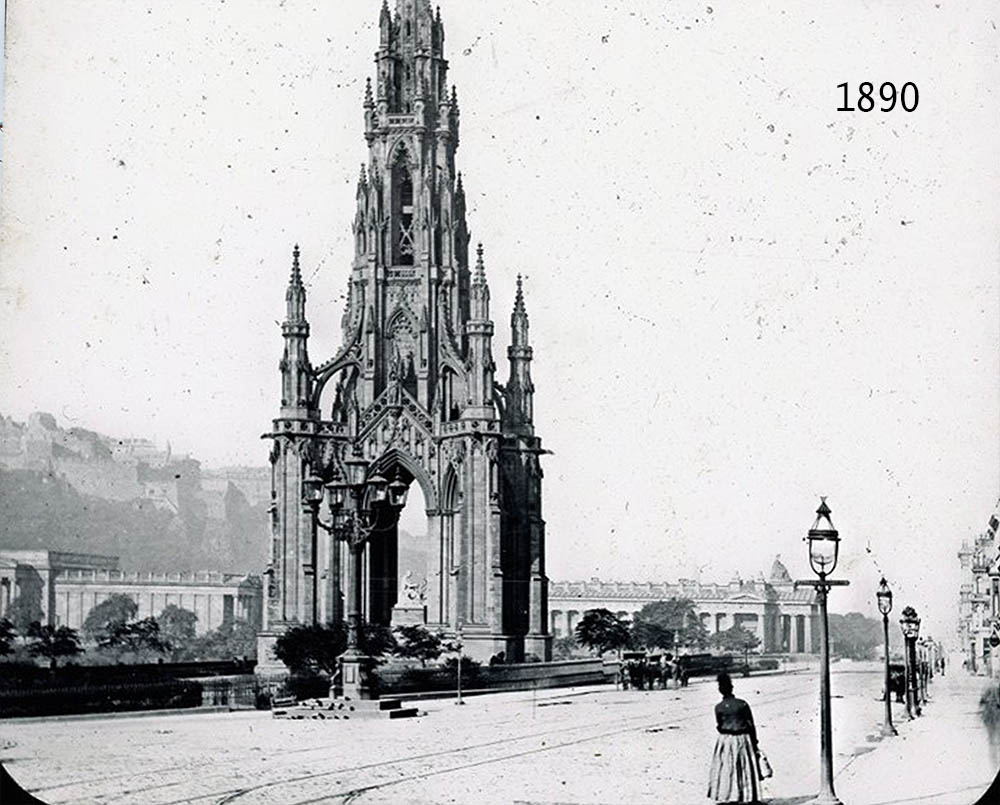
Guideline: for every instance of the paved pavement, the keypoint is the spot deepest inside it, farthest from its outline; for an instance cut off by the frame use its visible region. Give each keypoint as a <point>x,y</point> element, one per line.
<point>582,745</point>
<point>944,757</point>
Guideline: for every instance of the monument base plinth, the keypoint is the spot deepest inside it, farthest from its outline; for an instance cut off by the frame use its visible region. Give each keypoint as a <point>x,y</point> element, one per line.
<point>409,615</point>
<point>356,681</point>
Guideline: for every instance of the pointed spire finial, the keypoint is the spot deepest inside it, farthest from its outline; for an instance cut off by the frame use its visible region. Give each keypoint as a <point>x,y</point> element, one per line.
<point>454,98</point>
<point>296,274</point>
<point>519,297</point>
<point>369,101</point>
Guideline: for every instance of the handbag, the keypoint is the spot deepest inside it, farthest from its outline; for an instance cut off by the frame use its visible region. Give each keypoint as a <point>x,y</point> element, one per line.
<point>764,766</point>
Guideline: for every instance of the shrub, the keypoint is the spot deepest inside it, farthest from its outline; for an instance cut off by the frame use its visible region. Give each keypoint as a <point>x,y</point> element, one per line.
<point>306,686</point>
<point>471,669</point>
<point>62,700</point>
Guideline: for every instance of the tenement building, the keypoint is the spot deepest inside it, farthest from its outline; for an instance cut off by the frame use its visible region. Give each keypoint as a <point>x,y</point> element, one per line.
<point>61,588</point>
<point>782,617</point>
<point>411,394</point>
<point>979,601</point>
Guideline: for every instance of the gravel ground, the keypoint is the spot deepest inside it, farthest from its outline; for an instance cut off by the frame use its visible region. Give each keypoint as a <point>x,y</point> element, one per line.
<point>586,745</point>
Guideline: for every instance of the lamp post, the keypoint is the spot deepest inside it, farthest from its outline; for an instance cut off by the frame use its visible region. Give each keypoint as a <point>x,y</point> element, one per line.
<point>824,546</point>
<point>884,598</point>
<point>361,505</point>
<point>925,668</point>
<point>910,625</point>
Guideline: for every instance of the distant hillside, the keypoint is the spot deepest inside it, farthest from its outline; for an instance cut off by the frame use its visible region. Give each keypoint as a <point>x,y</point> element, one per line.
<point>77,490</point>
<point>38,510</point>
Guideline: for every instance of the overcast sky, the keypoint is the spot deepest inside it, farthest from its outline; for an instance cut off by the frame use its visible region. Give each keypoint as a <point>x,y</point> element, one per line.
<point>740,298</point>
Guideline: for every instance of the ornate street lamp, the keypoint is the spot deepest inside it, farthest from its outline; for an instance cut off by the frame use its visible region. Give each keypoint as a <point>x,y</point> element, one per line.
<point>884,598</point>
<point>910,625</point>
<point>824,542</point>
<point>397,492</point>
<point>360,505</point>
<point>824,547</point>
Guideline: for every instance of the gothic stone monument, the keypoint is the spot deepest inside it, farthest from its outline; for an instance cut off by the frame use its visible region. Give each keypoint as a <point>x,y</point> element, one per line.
<point>412,390</point>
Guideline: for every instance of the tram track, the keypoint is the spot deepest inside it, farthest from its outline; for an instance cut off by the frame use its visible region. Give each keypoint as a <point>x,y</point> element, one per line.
<point>343,784</point>
<point>354,793</point>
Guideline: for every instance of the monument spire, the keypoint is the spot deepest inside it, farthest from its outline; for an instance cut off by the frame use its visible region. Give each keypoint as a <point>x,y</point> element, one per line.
<point>520,389</point>
<point>412,388</point>
<point>296,382</point>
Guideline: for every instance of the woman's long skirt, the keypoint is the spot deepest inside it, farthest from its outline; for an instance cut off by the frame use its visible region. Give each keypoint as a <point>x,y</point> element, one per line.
<point>733,776</point>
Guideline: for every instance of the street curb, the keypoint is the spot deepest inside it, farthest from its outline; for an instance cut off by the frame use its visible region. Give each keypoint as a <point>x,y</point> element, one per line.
<point>177,711</point>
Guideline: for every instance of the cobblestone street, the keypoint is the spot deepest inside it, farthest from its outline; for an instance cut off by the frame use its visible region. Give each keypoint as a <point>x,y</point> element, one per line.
<point>571,746</point>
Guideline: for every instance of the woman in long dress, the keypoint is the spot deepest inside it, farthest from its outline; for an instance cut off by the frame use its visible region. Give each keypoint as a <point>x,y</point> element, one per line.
<point>734,776</point>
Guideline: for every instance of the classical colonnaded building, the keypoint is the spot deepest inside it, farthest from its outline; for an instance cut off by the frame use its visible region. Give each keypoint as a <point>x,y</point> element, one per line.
<point>63,588</point>
<point>782,617</point>
<point>412,390</point>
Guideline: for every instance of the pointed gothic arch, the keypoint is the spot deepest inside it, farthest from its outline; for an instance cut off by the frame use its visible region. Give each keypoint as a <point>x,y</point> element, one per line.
<point>413,470</point>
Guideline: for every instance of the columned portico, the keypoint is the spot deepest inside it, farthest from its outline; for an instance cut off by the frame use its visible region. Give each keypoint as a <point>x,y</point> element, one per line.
<point>777,613</point>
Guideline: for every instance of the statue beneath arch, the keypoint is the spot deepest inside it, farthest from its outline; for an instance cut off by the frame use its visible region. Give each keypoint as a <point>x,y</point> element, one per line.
<point>411,391</point>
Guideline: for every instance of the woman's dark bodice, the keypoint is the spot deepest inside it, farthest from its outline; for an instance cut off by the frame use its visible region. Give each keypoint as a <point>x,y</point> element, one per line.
<point>733,716</point>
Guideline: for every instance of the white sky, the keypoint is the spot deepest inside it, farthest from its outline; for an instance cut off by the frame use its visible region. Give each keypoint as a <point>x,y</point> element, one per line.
<point>729,315</point>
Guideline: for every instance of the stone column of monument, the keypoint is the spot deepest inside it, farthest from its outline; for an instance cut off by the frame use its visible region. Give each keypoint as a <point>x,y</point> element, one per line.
<point>288,591</point>
<point>524,448</point>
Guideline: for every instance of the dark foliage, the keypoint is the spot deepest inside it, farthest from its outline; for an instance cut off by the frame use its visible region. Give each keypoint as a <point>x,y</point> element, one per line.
<point>416,642</point>
<point>377,640</point>
<point>52,642</point>
<point>306,686</point>
<point>177,625</point>
<point>735,639</point>
<point>310,650</point>
<point>601,630</point>
<point>112,613</point>
<point>471,670</point>
<point>565,648</point>
<point>7,637</point>
<point>99,698</point>
<point>232,639</point>
<point>136,638</point>
<point>316,649</point>
<point>856,636</point>
<point>25,610</point>
<point>670,623</point>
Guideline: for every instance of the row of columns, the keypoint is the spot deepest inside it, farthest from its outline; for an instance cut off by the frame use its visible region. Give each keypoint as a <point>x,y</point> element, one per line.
<point>795,636</point>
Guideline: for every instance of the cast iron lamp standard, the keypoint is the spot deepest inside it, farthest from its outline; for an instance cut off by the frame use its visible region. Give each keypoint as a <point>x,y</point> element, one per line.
<point>884,598</point>
<point>924,668</point>
<point>910,625</point>
<point>312,497</point>
<point>824,545</point>
<point>361,505</point>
